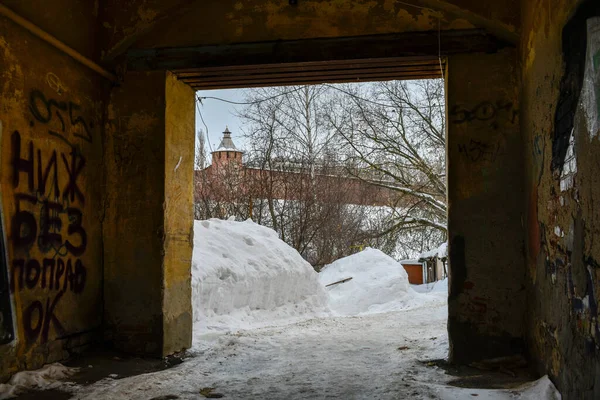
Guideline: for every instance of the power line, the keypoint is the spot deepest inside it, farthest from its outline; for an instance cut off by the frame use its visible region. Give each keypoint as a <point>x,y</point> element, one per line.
<point>372,101</point>
<point>299,88</point>
<point>205,126</point>
<point>250,102</point>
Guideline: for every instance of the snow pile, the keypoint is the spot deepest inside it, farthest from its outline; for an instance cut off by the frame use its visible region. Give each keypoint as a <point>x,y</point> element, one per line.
<point>46,377</point>
<point>433,287</point>
<point>542,389</point>
<point>244,276</point>
<point>379,284</point>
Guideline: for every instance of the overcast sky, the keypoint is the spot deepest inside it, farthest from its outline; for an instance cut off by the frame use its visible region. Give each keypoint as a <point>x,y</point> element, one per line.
<point>218,114</point>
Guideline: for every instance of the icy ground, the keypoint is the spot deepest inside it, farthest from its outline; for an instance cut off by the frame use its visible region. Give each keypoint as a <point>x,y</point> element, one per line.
<point>377,356</point>
<point>266,327</point>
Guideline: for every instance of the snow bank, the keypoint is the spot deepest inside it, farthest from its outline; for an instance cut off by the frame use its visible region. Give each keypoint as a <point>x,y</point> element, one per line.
<point>433,287</point>
<point>244,276</point>
<point>46,377</point>
<point>379,284</point>
<point>542,389</point>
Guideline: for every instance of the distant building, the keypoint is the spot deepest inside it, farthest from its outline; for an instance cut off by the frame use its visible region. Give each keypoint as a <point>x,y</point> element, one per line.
<point>428,267</point>
<point>415,270</point>
<point>229,179</point>
<point>226,153</point>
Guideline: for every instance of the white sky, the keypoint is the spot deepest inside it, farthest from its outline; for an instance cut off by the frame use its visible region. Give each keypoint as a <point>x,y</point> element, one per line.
<point>217,114</point>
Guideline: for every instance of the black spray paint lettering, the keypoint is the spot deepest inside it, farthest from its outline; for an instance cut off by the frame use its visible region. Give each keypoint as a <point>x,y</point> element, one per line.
<point>484,111</point>
<point>43,209</point>
<point>44,110</point>
<point>74,169</point>
<point>25,227</point>
<point>52,273</point>
<point>479,151</point>
<point>73,165</point>
<point>37,320</point>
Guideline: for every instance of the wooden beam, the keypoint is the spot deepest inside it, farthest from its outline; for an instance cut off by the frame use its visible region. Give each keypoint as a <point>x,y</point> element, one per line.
<point>387,71</point>
<point>412,44</point>
<point>312,65</point>
<point>312,81</point>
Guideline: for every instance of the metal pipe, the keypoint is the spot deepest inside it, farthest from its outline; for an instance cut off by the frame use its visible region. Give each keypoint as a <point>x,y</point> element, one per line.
<point>55,42</point>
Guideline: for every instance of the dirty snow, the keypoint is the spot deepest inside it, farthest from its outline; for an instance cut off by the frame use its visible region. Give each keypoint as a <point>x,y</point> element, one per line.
<point>371,356</point>
<point>47,377</point>
<point>244,276</point>
<point>375,344</point>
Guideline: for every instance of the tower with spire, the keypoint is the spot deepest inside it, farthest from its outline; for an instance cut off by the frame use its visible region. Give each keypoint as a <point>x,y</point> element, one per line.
<point>227,153</point>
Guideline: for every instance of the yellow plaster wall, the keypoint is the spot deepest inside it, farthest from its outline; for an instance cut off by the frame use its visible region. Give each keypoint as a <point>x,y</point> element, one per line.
<point>148,233</point>
<point>51,178</point>
<point>133,232</point>
<point>178,215</point>
<point>74,22</point>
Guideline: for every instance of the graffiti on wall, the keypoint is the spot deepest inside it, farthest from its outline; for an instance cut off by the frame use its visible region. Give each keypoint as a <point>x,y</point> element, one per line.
<point>495,115</point>
<point>47,235</point>
<point>58,116</point>
<point>484,111</point>
<point>6,322</point>
<point>477,150</point>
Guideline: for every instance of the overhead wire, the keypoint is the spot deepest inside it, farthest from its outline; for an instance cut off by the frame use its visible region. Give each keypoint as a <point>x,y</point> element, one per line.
<point>250,102</point>
<point>203,122</point>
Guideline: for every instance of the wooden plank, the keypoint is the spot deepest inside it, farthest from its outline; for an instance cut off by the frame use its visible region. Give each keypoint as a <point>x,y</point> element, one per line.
<point>292,80</point>
<point>285,69</point>
<point>314,65</point>
<point>315,82</point>
<point>435,69</point>
<point>409,44</point>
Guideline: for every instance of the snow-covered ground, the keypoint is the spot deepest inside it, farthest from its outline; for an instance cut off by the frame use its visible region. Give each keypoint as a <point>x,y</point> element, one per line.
<point>47,377</point>
<point>433,287</point>
<point>266,327</point>
<point>376,356</point>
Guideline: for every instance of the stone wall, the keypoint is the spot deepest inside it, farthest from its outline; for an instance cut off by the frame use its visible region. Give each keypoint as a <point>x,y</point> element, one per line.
<point>485,190</point>
<point>562,155</point>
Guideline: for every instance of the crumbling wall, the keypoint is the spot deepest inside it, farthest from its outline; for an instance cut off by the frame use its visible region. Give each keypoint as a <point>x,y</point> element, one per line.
<point>157,23</point>
<point>51,146</point>
<point>562,155</point>
<point>149,214</point>
<point>485,190</point>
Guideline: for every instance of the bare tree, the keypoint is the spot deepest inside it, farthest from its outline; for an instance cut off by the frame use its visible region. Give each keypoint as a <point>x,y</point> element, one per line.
<point>295,153</point>
<point>314,155</point>
<point>200,160</point>
<point>395,138</point>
